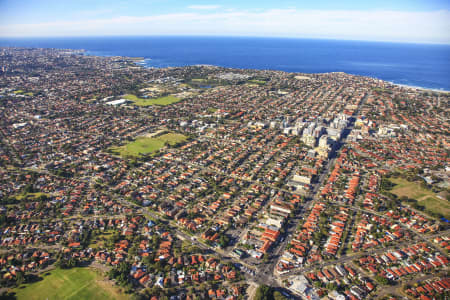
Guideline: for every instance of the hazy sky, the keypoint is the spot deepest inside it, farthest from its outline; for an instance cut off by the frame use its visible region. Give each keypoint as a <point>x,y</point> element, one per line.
<point>393,20</point>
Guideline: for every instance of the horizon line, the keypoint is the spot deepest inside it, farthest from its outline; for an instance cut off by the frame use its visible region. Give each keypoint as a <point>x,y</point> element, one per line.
<point>228,36</point>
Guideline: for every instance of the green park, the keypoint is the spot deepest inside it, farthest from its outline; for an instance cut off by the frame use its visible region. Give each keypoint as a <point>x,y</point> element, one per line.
<point>162,101</point>
<point>75,283</point>
<point>148,145</point>
<point>424,196</point>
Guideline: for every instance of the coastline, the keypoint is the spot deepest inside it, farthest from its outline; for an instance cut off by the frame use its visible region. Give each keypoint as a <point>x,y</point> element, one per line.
<point>141,59</point>
<point>141,63</point>
<point>418,87</point>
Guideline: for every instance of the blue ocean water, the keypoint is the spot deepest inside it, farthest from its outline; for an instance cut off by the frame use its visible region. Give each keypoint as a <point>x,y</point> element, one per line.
<point>421,65</point>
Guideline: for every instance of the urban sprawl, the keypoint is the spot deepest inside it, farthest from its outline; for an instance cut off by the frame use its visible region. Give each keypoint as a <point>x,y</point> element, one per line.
<point>204,182</point>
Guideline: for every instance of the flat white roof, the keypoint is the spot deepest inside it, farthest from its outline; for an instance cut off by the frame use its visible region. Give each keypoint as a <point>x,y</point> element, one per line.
<point>117,102</point>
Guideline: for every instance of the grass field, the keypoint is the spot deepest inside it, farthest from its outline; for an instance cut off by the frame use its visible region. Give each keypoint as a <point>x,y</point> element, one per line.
<point>260,82</point>
<point>30,195</point>
<point>145,145</point>
<point>99,240</point>
<point>423,196</point>
<point>167,100</point>
<point>23,92</point>
<point>76,283</point>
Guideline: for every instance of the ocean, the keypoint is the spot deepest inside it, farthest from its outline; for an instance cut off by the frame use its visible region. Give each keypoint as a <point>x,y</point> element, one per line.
<point>420,65</point>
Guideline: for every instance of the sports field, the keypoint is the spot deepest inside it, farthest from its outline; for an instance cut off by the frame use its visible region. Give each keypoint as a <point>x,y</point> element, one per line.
<point>424,196</point>
<point>156,101</point>
<point>30,195</point>
<point>76,283</point>
<point>22,92</point>
<point>146,145</point>
<point>260,82</point>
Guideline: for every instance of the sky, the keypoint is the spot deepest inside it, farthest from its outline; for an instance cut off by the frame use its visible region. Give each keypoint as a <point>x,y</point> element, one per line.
<point>418,21</point>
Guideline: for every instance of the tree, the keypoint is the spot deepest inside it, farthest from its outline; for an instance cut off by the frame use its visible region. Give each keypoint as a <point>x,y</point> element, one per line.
<point>332,286</point>
<point>28,188</point>
<point>381,280</point>
<point>7,296</point>
<point>223,241</point>
<point>20,278</point>
<point>124,267</point>
<point>3,219</point>
<point>278,296</point>
<point>264,292</point>
<point>133,250</point>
